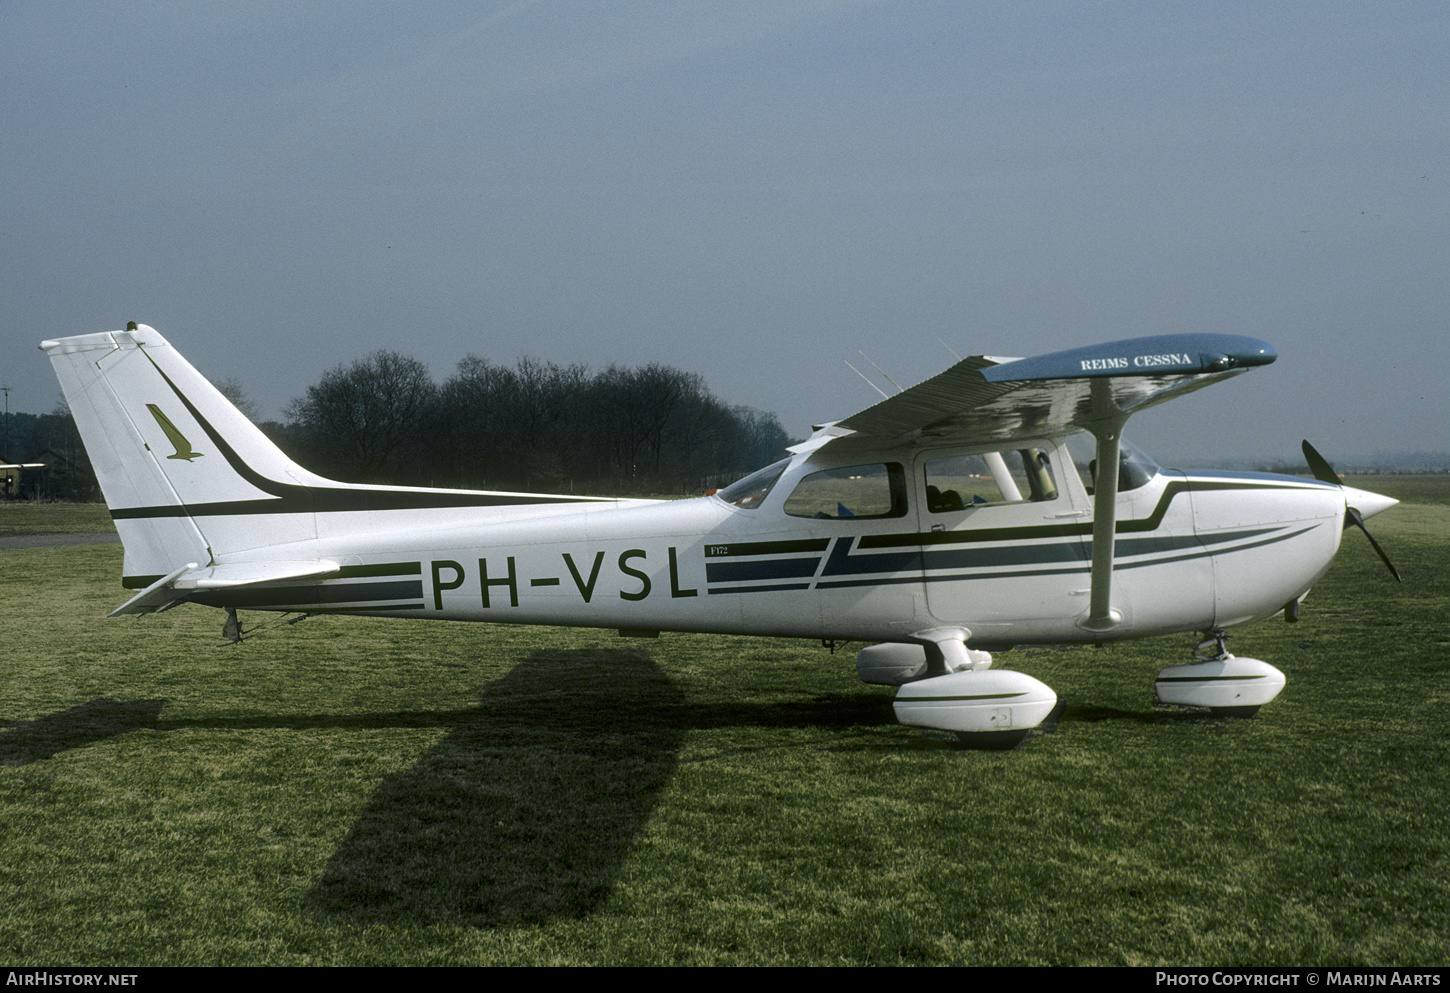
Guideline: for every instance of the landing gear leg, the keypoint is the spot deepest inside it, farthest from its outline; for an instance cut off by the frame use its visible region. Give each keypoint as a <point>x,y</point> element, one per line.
<point>232,628</point>
<point>1215,643</point>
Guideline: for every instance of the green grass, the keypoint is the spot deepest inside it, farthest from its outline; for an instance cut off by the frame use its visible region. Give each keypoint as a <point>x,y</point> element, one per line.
<point>25,517</point>
<point>359,791</point>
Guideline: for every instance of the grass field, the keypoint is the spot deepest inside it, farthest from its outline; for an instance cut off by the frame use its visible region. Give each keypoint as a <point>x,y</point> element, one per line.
<point>366,791</point>
<point>22,517</point>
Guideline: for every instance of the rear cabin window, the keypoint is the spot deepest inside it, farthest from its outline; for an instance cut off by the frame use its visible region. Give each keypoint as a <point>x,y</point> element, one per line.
<point>1012,476</point>
<point>747,493</point>
<point>859,491</point>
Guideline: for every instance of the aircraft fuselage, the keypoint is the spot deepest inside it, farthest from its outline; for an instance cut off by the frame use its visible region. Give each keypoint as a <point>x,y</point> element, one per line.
<point>1231,548</point>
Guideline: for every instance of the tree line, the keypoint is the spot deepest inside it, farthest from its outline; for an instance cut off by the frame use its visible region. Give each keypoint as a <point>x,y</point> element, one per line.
<point>532,426</point>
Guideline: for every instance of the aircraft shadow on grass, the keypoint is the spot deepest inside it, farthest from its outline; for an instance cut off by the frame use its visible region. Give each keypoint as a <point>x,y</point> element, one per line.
<point>524,812</point>
<point>24,742</point>
<point>527,809</point>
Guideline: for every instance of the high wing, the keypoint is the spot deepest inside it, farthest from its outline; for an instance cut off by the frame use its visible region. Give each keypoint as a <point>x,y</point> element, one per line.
<point>1096,388</point>
<point>987,399</point>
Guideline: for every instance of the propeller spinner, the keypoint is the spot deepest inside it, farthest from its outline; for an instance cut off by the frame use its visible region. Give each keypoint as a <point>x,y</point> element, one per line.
<point>1358,504</point>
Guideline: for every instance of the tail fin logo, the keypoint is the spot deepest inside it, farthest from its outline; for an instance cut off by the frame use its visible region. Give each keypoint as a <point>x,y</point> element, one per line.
<point>177,439</point>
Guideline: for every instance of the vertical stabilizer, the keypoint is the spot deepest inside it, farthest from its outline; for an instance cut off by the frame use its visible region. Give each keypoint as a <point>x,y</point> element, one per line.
<point>186,476</point>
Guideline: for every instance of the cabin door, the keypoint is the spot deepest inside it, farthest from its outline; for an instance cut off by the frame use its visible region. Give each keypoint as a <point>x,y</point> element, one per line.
<point>1004,539</point>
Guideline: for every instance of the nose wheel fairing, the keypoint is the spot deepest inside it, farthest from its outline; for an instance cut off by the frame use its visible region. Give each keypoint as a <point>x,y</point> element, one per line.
<point>1229,686</point>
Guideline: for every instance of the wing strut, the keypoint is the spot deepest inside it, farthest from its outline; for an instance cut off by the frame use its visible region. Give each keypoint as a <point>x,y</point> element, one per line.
<point>1101,615</point>
<point>1107,428</point>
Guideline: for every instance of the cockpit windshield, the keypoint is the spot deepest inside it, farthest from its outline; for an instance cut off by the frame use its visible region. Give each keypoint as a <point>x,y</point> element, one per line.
<point>1135,467</point>
<point>747,493</point>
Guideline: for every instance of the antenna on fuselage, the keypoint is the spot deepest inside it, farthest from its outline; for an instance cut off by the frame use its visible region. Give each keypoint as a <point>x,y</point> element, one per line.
<point>882,371</point>
<point>868,381</point>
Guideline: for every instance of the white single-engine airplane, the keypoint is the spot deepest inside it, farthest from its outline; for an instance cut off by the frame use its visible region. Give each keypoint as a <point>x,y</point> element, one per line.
<point>947,521</point>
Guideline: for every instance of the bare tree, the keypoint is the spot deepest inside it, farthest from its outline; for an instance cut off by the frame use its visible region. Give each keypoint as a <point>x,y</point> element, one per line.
<point>477,419</point>
<point>537,425</point>
<point>367,420</point>
<point>232,389</point>
<point>761,432</point>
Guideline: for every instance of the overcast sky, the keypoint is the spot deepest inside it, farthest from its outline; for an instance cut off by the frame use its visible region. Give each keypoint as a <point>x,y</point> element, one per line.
<point>758,192</point>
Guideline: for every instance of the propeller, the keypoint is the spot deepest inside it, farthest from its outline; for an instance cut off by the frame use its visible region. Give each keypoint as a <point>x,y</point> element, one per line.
<point>1324,472</point>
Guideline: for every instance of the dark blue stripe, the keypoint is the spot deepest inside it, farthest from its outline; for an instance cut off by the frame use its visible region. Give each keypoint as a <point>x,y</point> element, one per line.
<point>280,596</point>
<point>843,563</point>
<point>761,589</point>
<point>982,558</point>
<point>735,572</point>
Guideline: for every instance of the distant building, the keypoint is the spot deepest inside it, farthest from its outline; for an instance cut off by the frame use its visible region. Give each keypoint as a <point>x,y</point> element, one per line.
<point>56,478</point>
<point>18,481</point>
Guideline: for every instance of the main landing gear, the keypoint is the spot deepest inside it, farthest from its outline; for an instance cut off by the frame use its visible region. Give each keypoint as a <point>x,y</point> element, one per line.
<point>946,686</point>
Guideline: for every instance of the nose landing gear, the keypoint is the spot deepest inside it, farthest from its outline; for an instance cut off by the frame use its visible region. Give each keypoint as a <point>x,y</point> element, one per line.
<point>1227,685</point>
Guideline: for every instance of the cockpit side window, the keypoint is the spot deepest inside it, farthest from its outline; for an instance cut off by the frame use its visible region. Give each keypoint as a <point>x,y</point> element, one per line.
<point>982,478</point>
<point>859,491</point>
<point>748,493</point>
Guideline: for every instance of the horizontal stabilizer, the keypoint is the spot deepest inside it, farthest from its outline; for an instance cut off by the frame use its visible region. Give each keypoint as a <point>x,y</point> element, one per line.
<point>158,596</point>
<point>189,579</point>
<point>218,577</point>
